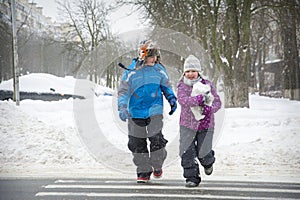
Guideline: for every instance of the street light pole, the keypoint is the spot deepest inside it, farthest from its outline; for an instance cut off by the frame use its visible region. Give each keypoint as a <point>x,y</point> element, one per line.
<point>16,96</point>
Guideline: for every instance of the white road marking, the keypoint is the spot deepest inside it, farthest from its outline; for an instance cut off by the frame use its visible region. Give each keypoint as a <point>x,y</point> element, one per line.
<point>93,194</point>
<point>170,187</point>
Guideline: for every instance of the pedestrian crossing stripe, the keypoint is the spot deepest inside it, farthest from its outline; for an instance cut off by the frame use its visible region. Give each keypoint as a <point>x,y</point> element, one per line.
<point>164,187</point>
<point>185,196</point>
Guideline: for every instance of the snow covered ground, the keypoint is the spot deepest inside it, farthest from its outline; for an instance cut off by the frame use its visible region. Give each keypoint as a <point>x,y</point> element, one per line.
<point>85,138</point>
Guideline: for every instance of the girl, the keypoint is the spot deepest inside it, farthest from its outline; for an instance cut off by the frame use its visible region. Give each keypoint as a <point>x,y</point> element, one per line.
<point>196,136</point>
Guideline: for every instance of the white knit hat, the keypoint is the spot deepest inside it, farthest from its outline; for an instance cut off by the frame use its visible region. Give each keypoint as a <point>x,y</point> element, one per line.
<point>192,63</point>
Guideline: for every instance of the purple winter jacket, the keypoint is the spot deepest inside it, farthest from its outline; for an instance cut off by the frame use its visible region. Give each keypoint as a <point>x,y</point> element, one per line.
<point>186,101</point>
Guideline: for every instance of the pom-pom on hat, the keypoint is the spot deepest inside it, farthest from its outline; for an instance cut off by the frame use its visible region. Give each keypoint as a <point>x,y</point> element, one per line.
<point>192,63</point>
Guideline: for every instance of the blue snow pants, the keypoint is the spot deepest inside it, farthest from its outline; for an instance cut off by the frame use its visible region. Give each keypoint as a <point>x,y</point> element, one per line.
<point>195,145</point>
<point>139,132</point>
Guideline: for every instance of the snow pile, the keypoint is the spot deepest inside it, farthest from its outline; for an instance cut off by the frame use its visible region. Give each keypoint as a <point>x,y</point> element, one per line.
<point>263,140</point>
<point>42,138</point>
<point>41,82</point>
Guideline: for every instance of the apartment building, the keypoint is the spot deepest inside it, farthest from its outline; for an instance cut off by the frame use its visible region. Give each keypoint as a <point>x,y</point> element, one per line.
<point>29,16</point>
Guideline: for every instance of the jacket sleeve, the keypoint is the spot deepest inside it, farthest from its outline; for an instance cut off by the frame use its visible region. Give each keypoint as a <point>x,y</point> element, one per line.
<point>185,98</point>
<point>123,94</point>
<point>216,105</point>
<point>124,90</point>
<point>166,85</point>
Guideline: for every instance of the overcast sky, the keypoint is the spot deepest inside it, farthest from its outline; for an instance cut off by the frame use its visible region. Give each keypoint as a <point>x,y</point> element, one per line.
<point>120,22</point>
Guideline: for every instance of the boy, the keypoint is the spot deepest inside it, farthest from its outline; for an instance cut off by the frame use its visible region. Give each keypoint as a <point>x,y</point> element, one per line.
<point>140,101</point>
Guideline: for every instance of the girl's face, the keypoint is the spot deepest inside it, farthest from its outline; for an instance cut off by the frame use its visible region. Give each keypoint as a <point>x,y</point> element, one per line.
<point>191,75</point>
<point>150,60</point>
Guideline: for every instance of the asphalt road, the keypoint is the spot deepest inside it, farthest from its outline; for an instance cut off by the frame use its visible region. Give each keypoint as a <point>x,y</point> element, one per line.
<point>15,189</point>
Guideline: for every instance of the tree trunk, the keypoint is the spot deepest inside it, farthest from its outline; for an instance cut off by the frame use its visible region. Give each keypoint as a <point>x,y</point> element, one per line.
<point>238,54</point>
<point>291,70</point>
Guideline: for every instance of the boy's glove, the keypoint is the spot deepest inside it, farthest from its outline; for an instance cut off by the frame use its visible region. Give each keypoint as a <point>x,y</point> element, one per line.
<point>206,110</point>
<point>173,104</point>
<point>124,114</point>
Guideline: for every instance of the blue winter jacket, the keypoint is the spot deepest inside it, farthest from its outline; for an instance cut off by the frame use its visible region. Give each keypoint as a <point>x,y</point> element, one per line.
<point>142,88</point>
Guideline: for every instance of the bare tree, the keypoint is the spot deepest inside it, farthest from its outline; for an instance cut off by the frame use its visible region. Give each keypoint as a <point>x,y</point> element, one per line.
<point>88,27</point>
<point>225,28</point>
<point>209,22</point>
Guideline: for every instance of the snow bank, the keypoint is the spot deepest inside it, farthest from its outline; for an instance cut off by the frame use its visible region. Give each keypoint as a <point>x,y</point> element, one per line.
<point>41,138</point>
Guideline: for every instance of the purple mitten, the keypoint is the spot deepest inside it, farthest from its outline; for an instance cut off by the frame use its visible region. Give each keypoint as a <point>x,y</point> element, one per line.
<point>206,110</point>
<point>200,99</point>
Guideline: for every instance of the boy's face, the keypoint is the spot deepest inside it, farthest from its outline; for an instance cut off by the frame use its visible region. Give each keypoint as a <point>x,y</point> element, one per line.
<point>150,61</point>
<point>191,74</point>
